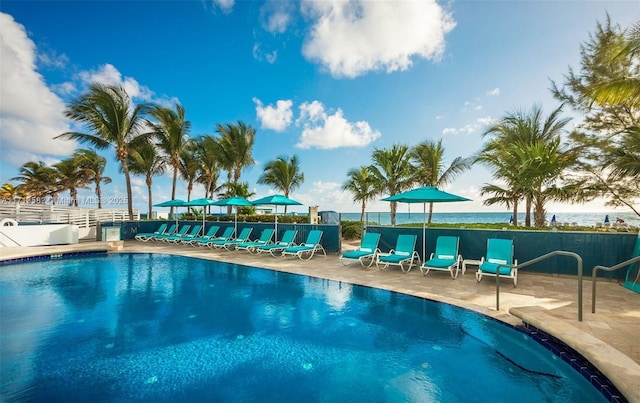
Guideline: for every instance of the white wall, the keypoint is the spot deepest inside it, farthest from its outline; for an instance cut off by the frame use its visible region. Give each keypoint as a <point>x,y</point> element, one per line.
<point>38,235</point>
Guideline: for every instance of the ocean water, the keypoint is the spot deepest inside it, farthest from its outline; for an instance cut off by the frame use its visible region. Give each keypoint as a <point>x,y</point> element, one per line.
<point>582,219</point>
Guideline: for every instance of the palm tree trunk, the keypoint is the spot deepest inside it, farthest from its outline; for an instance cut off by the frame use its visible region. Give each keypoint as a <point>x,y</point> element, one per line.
<point>127,178</point>
<point>99,192</point>
<point>394,207</point>
<point>515,213</point>
<point>362,212</point>
<point>173,189</point>
<point>149,184</point>
<point>430,212</point>
<point>527,218</point>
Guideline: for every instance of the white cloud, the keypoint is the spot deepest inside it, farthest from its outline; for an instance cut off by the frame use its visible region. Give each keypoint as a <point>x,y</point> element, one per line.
<point>471,105</point>
<point>469,128</point>
<point>325,131</point>
<point>260,54</point>
<point>226,6</point>
<point>275,118</point>
<point>276,16</point>
<point>31,115</point>
<point>439,117</point>
<point>352,38</point>
<point>494,92</point>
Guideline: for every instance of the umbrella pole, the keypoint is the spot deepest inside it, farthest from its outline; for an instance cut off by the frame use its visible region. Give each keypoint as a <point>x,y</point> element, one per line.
<point>276,226</point>
<point>424,231</point>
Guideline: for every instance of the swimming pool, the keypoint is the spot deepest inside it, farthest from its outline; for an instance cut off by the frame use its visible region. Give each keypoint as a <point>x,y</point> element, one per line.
<point>169,328</point>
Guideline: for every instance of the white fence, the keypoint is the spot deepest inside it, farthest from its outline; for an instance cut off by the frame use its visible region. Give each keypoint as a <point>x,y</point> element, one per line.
<point>84,218</point>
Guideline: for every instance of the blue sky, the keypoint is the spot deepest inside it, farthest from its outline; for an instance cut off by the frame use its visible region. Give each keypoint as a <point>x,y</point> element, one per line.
<point>327,81</point>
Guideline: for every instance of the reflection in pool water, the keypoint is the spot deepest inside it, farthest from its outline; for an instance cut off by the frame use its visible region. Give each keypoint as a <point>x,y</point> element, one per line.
<point>170,328</point>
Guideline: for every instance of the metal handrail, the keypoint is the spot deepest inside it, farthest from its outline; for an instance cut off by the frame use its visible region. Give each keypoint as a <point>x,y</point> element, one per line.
<point>536,260</point>
<point>595,270</point>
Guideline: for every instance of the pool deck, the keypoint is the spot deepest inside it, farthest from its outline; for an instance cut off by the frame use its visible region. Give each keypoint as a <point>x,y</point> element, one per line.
<point>608,338</point>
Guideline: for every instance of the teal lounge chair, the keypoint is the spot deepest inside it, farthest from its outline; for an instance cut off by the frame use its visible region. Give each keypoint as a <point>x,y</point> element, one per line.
<point>368,250</point>
<point>230,244</point>
<point>144,236</point>
<point>226,235</point>
<point>277,248</point>
<point>170,231</point>
<point>211,233</point>
<point>308,248</point>
<point>182,232</point>
<point>402,255</point>
<point>265,239</point>
<point>446,256</point>
<point>499,253</point>
<point>181,238</point>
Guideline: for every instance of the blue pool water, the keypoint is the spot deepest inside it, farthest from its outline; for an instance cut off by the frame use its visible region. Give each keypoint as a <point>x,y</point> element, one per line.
<point>145,327</point>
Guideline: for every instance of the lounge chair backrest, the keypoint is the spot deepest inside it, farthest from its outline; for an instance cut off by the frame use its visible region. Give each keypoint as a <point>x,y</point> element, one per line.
<point>288,237</point>
<point>266,235</point>
<point>161,229</point>
<point>447,247</point>
<point>184,229</point>
<point>171,229</point>
<point>500,251</point>
<point>405,245</point>
<point>212,231</point>
<point>227,233</point>
<point>195,230</point>
<point>244,234</point>
<point>313,238</point>
<point>369,242</point>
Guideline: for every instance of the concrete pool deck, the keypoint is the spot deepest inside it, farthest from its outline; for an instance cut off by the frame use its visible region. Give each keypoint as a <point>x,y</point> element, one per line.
<point>608,338</point>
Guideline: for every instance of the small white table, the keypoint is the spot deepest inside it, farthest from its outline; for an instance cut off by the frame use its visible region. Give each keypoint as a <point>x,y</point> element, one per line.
<point>465,262</point>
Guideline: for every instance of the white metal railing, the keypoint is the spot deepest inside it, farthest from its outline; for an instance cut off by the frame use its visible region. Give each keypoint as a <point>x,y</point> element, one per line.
<point>83,217</point>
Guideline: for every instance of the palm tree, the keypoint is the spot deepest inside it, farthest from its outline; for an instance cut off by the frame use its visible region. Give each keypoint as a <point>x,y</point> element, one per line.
<point>145,160</point>
<point>172,134</point>
<point>39,182</point>
<point>93,165</point>
<point>516,130</point>
<point>240,189</point>
<point>360,183</point>
<point>209,169</point>
<point>519,153</point>
<point>189,165</point>
<point>10,192</point>
<point>71,177</point>
<point>391,172</point>
<point>236,143</point>
<point>284,174</point>
<point>429,166</point>
<point>112,121</point>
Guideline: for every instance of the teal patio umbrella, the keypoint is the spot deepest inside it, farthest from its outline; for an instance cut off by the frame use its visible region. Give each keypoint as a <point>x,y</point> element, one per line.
<point>424,195</point>
<point>172,203</point>
<point>202,202</point>
<point>236,201</point>
<point>276,200</point>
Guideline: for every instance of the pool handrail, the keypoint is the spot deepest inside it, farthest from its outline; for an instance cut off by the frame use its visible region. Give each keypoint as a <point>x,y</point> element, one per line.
<point>612,268</point>
<point>538,259</point>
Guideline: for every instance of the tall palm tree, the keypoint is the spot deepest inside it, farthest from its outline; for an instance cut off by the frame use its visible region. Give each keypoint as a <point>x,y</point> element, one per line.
<point>71,177</point>
<point>236,143</point>
<point>521,144</point>
<point>189,166</point>
<point>146,160</point>
<point>361,185</point>
<point>171,130</point>
<point>430,170</point>
<point>392,173</point>
<point>39,182</point>
<point>112,121</point>
<point>517,131</point>
<point>93,165</point>
<point>284,174</point>
<point>209,172</point>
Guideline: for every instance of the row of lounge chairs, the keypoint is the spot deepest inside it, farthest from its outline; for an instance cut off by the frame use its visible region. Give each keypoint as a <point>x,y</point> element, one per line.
<point>264,244</point>
<point>498,259</point>
<point>446,257</point>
